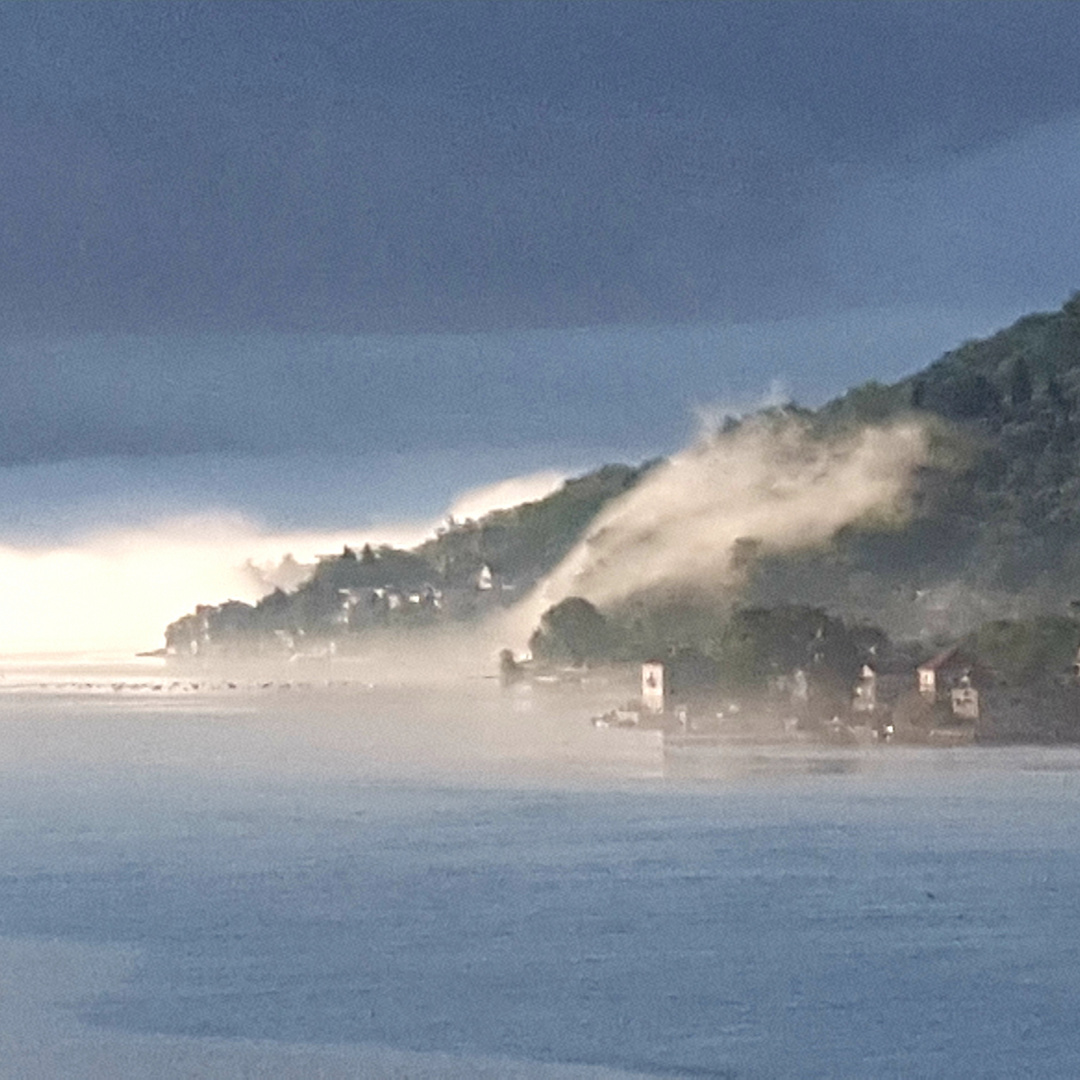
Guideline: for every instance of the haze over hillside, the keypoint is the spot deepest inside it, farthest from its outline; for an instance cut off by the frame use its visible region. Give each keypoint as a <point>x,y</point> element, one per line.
<point>995,523</point>
<point>927,505</point>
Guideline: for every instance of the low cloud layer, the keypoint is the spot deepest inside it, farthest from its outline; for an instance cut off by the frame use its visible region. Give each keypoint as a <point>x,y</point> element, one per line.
<point>568,393</point>
<point>115,588</point>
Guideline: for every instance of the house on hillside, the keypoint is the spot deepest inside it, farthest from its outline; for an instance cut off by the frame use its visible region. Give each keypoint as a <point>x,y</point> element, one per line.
<point>679,684</point>
<point>949,687</point>
<point>864,693</point>
<point>964,700</point>
<point>653,687</point>
<point>952,677</point>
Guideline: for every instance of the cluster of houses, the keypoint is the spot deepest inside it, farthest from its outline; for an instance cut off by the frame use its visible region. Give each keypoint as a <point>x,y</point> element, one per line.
<point>363,608</point>
<point>949,700</point>
<point>278,625</point>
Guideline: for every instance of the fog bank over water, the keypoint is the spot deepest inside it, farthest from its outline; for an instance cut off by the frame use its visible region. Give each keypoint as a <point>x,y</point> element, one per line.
<point>115,588</point>
<point>457,886</point>
<point>115,585</point>
<point>302,443</point>
<point>103,551</point>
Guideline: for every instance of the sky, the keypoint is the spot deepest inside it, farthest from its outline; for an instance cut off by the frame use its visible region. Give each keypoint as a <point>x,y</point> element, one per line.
<point>322,264</point>
<point>263,208</point>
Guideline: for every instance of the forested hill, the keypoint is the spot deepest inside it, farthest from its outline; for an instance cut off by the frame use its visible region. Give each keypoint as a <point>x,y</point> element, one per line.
<point>465,570</point>
<point>524,542</point>
<point>1028,373</point>
<point>996,527</point>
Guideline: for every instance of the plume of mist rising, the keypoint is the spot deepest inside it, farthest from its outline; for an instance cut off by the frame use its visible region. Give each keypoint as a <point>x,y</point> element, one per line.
<point>769,481</point>
<point>713,416</point>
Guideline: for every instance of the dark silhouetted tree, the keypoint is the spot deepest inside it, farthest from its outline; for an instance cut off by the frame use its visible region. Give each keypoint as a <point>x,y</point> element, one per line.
<point>572,630</point>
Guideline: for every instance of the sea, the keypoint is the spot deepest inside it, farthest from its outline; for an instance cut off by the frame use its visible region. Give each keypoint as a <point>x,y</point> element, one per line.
<point>309,876</point>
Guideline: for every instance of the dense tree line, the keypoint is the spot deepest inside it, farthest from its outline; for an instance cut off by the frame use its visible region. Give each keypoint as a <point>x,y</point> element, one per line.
<point>995,516</point>
<point>518,545</point>
<point>747,646</point>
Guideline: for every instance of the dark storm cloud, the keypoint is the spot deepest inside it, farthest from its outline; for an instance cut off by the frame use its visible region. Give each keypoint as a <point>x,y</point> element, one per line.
<point>210,212</point>
<point>1003,221</point>
<point>404,166</point>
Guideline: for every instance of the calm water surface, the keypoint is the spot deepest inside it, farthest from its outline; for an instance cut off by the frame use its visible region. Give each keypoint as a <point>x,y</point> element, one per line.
<point>391,883</point>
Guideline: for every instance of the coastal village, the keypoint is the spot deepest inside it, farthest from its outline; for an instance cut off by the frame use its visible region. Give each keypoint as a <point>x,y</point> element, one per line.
<point>867,693</point>
<point>338,611</point>
<point>951,619</point>
<point>950,699</point>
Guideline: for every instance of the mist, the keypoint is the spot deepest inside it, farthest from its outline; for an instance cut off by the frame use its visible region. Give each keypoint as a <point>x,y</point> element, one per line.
<point>504,494</point>
<point>114,588</point>
<point>768,483</point>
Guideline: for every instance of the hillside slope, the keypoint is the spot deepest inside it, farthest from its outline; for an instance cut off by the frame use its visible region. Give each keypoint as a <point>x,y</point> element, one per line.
<point>467,569</point>
<point>995,528</point>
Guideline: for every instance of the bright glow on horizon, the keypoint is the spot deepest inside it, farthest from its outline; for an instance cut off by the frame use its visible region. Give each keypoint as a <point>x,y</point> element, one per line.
<point>118,590</point>
<point>115,590</point>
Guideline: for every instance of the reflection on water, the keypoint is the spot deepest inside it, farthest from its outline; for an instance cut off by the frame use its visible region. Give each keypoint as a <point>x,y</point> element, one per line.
<point>740,760</point>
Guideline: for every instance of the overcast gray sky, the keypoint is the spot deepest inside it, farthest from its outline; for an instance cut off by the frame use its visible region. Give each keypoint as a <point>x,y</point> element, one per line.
<point>594,215</point>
